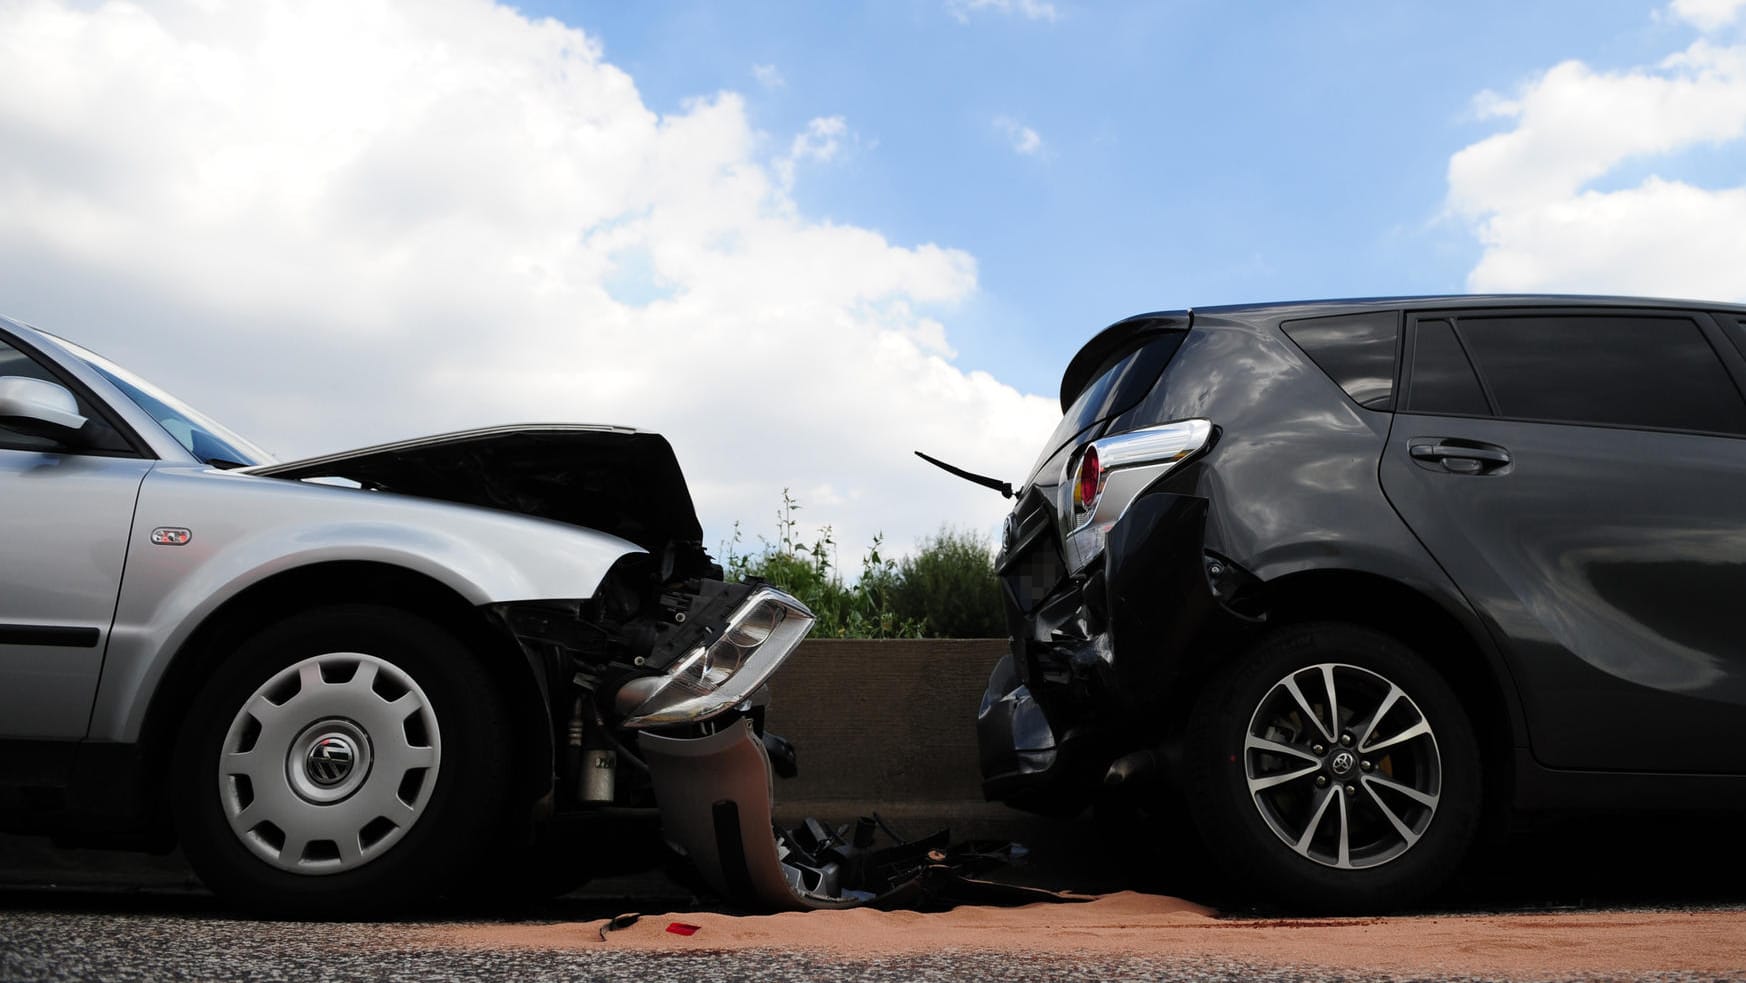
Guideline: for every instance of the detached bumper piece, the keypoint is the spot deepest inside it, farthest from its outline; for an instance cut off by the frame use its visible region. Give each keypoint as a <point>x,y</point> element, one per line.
<point>715,795</point>
<point>715,799</point>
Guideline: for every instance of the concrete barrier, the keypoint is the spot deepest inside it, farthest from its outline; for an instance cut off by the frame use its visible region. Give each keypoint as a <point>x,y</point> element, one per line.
<point>887,726</point>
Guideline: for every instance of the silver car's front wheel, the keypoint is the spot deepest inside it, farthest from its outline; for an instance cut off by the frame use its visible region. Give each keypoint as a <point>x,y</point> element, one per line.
<point>345,761</point>
<point>329,763</point>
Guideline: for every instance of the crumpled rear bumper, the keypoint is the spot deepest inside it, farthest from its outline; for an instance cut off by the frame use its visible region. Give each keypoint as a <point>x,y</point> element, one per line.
<point>715,797</point>
<point>1097,656</point>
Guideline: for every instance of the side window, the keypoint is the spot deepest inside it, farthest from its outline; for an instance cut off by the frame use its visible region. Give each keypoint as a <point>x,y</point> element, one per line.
<point>97,436</point>
<point>1442,379</point>
<point>1630,371</point>
<point>1356,351</point>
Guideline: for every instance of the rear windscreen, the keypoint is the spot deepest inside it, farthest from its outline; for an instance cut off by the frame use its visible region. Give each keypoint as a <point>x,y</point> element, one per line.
<point>1118,389</point>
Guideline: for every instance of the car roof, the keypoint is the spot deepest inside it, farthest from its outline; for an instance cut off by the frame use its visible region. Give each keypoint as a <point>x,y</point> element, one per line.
<point>1122,337</point>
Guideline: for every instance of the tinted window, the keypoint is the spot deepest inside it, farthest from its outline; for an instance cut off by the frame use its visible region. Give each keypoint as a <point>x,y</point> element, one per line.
<point>1626,371</point>
<point>1357,351</point>
<point>1443,379</point>
<point>1116,391</point>
<point>97,435</point>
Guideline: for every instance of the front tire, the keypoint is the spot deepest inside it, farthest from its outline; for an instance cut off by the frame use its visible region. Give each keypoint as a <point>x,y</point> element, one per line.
<point>344,760</point>
<point>1334,770</point>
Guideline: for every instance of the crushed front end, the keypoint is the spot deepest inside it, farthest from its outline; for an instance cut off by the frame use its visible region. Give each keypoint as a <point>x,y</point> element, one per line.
<point>660,711</point>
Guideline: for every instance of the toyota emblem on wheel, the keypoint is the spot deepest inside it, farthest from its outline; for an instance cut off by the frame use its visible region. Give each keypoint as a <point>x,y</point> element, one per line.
<point>330,760</point>
<point>1342,763</point>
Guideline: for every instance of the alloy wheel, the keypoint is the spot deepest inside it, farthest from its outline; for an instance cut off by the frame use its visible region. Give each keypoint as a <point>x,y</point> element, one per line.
<point>1343,766</point>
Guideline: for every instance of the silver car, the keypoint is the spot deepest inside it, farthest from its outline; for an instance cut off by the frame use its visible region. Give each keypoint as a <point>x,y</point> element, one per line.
<point>358,680</point>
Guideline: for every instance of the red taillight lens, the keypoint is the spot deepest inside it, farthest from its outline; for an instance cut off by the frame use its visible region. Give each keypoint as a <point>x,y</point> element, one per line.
<point>1090,481</point>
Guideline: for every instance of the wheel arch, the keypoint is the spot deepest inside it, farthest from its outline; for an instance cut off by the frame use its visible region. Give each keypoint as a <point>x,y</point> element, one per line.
<point>354,582</point>
<point>1459,652</point>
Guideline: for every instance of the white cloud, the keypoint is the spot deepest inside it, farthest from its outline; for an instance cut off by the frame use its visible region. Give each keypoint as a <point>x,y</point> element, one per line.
<point>1024,140</point>
<point>1530,192</point>
<point>335,223</point>
<point>821,141</point>
<point>1707,15</point>
<point>769,76</point>
<point>1028,9</point>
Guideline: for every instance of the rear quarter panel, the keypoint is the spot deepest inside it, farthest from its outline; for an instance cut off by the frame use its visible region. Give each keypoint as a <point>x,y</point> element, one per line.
<point>1293,480</point>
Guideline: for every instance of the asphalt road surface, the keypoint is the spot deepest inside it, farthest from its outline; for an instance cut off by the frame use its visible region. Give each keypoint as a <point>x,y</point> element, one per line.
<point>73,918</point>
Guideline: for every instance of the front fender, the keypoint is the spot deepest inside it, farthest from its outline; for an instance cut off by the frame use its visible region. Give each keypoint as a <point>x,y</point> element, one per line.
<point>245,529</point>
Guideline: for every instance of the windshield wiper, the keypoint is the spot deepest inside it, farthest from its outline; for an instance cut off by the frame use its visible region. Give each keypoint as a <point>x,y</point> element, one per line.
<point>1004,487</point>
<point>225,465</point>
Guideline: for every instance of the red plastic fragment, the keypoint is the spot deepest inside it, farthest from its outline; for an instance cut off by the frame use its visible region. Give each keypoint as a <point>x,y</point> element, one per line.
<point>680,928</point>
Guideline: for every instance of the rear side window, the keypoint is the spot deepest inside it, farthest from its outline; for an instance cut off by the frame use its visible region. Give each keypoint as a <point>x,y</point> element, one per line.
<point>1355,350</point>
<point>1625,371</point>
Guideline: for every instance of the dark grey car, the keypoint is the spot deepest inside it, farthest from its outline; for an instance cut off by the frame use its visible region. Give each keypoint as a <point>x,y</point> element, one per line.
<point>1358,577</point>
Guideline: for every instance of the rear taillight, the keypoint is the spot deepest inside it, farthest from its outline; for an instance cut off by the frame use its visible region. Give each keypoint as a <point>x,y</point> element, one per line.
<point>1100,482</point>
<point>1089,482</point>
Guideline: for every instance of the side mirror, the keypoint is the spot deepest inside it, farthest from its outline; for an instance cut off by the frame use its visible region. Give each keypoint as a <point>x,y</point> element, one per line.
<point>38,408</point>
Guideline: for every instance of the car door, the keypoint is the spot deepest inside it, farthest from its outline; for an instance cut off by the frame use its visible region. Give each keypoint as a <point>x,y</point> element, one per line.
<point>65,515</point>
<point>1581,475</point>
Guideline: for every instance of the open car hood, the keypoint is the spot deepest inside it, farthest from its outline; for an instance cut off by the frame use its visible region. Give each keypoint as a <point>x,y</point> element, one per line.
<point>613,479</point>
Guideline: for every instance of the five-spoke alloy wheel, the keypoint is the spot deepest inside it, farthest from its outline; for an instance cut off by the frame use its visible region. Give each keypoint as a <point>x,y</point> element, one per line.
<point>1333,769</point>
<point>347,759</point>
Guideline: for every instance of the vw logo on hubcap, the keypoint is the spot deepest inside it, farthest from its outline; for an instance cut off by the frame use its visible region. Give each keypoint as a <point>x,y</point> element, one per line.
<point>330,760</point>
<point>1342,763</point>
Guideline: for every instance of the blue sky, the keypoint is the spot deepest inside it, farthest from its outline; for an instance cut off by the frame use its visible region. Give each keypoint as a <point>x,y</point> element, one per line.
<point>1193,153</point>
<point>804,239</point>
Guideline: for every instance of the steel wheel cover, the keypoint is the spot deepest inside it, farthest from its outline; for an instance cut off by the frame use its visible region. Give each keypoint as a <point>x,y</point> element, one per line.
<point>1343,766</point>
<point>329,763</point>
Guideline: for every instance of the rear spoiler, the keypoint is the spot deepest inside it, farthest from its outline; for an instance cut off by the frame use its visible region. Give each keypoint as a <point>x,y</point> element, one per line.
<point>1113,344</point>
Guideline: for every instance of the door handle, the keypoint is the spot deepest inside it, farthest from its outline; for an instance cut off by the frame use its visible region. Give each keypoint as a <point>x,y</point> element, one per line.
<point>1468,457</point>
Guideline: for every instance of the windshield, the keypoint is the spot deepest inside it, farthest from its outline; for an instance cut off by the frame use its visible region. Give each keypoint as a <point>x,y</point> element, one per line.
<point>195,431</point>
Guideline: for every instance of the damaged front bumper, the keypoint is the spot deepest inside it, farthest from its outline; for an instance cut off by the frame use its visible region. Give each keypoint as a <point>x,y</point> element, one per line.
<point>666,709</point>
<point>716,799</point>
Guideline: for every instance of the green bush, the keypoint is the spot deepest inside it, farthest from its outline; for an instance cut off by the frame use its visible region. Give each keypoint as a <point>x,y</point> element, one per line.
<point>947,590</point>
<point>858,610</point>
<point>950,587</point>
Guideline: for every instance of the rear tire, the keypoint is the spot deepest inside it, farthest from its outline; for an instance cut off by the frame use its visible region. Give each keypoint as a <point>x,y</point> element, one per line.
<point>344,761</point>
<point>1364,799</point>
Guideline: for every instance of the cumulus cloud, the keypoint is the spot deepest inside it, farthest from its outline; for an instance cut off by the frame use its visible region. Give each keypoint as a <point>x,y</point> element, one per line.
<point>1028,9</point>
<point>1024,141</point>
<point>1707,15</point>
<point>336,223</point>
<point>1535,193</point>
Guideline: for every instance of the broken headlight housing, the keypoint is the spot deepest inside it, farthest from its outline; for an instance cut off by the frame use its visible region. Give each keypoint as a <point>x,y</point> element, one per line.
<point>725,669</point>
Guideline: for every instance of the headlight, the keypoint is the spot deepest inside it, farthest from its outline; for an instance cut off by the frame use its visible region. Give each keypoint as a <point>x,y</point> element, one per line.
<point>1105,477</point>
<point>720,674</point>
